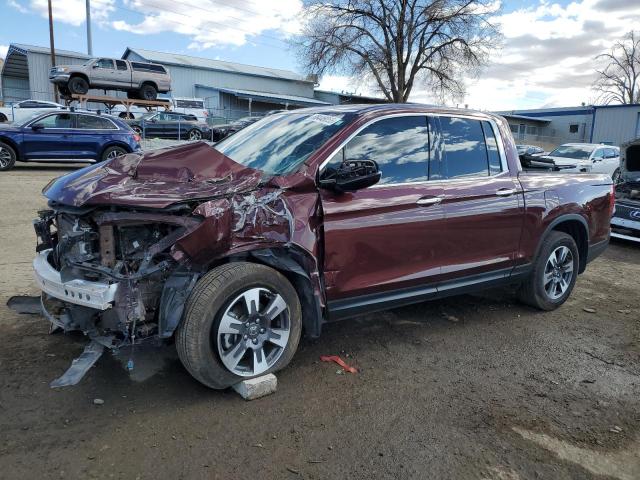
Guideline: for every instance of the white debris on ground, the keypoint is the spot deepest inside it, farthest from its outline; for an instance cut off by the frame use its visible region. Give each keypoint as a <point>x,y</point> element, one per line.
<point>254,388</point>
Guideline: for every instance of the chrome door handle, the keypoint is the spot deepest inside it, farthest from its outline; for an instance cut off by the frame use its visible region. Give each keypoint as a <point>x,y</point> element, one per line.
<point>505,192</point>
<point>429,201</point>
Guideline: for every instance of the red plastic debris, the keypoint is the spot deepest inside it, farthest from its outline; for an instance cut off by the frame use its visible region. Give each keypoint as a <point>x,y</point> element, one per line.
<point>339,361</point>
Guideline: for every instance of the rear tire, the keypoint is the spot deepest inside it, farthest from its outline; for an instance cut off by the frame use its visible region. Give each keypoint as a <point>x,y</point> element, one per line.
<point>8,157</point>
<point>78,86</point>
<point>148,92</point>
<point>132,95</point>
<point>554,273</point>
<point>3,118</point>
<point>616,176</point>
<point>113,152</point>
<point>195,135</point>
<point>207,341</point>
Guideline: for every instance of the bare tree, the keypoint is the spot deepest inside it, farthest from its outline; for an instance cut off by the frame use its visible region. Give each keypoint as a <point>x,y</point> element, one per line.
<point>619,81</point>
<point>399,42</point>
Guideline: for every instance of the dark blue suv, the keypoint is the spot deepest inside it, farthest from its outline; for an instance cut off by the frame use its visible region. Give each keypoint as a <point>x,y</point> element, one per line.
<point>66,136</point>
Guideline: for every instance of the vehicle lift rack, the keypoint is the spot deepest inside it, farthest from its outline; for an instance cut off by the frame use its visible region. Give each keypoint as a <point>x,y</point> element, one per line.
<point>111,102</point>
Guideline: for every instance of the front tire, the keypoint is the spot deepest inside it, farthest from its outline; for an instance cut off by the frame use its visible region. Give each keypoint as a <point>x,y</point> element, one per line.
<point>195,135</point>
<point>554,273</point>
<point>616,177</point>
<point>8,157</point>
<point>242,320</point>
<point>3,118</point>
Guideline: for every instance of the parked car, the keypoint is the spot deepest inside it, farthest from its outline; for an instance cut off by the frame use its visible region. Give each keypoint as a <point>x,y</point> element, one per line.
<point>139,79</point>
<point>191,106</point>
<point>66,137</point>
<point>221,131</point>
<point>179,126</point>
<point>526,152</point>
<point>582,157</point>
<point>299,219</point>
<point>626,218</point>
<point>25,109</point>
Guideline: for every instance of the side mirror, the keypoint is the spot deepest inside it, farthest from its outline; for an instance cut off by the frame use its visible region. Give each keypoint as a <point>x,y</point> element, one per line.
<point>95,65</point>
<point>352,175</point>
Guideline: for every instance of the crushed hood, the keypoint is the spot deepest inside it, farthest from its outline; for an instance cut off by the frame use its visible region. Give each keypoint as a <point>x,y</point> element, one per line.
<point>155,179</point>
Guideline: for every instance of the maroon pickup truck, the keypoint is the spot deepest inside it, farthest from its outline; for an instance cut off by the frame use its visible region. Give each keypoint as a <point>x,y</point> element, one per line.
<point>302,218</point>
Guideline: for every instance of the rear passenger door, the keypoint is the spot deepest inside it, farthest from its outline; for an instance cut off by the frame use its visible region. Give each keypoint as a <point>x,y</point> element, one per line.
<point>385,239</point>
<point>91,134</point>
<point>483,203</point>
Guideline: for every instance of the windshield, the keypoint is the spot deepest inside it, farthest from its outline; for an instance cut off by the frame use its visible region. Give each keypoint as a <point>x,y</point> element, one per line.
<point>147,116</point>
<point>572,151</point>
<point>279,144</point>
<point>88,62</point>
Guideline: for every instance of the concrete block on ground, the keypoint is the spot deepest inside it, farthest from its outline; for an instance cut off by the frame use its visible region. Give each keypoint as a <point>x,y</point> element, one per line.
<point>257,387</point>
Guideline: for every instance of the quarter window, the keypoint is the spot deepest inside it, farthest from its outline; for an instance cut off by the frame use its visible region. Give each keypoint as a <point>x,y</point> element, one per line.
<point>89,122</point>
<point>399,145</point>
<point>495,165</point>
<point>465,147</point>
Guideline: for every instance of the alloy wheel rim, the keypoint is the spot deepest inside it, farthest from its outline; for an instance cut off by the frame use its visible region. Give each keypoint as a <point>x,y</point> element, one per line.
<point>558,272</point>
<point>195,135</point>
<point>5,157</point>
<point>114,154</point>
<point>253,332</point>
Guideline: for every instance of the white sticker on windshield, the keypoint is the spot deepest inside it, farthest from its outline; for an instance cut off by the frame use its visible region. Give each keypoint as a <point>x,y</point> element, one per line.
<point>326,119</point>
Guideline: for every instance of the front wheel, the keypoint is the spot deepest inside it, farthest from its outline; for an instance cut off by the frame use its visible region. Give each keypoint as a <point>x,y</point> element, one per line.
<point>8,157</point>
<point>616,177</point>
<point>554,273</point>
<point>78,85</point>
<point>242,320</point>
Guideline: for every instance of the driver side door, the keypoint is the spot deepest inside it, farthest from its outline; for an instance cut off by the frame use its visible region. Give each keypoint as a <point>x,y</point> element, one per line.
<point>50,137</point>
<point>382,243</point>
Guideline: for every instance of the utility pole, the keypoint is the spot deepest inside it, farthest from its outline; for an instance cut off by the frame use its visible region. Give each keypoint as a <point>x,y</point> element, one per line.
<point>52,47</point>
<point>89,39</point>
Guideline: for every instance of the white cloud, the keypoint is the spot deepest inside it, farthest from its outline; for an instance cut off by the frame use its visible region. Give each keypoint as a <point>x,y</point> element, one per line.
<point>72,12</point>
<point>214,23</point>
<point>3,51</point>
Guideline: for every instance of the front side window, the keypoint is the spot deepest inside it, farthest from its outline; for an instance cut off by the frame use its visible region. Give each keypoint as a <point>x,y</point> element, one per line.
<point>465,147</point>
<point>89,122</point>
<point>599,153</point>
<point>105,63</point>
<point>399,145</point>
<point>610,153</point>
<point>60,120</point>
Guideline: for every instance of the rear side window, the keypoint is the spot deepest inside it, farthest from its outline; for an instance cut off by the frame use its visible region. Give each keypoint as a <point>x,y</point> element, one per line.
<point>465,147</point>
<point>399,145</point>
<point>121,65</point>
<point>89,122</point>
<point>148,67</point>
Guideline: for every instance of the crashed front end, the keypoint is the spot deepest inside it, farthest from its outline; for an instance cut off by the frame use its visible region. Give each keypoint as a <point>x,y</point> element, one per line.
<point>105,272</point>
<point>625,222</point>
<point>124,242</point>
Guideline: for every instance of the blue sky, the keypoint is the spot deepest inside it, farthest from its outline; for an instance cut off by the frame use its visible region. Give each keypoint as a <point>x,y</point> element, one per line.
<point>546,58</point>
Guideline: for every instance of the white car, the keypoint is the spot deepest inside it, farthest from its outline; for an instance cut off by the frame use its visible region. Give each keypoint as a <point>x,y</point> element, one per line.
<point>25,109</point>
<point>582,157</point>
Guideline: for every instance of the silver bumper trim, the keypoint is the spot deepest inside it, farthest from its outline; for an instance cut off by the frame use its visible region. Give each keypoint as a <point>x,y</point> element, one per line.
<point>98,295</point>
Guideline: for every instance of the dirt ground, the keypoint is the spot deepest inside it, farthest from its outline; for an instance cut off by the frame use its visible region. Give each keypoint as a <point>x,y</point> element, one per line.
<point>473,387</point>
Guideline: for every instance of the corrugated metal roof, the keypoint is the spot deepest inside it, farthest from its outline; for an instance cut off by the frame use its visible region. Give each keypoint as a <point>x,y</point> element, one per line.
<point>24,48</point>
<point>208,63</point>
<point>281,98</point>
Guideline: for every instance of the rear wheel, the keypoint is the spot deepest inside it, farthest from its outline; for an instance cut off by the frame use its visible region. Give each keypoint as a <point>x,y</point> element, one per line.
<point>3,118</point>
<point>137,129</point>
<point>132,94</point>
<point>242,320</point>
<point>78,85</point>
<point>195,134</point>
<point>554,273</point>
<point>8,157</point>
<point>113,152</point>
<point>148,92</point>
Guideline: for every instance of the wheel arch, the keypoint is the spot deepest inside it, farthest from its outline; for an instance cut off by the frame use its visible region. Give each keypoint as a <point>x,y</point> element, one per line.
<point>574,225</point>
<point>12,143</point>
<point>81,75</point>
<point>149,82</point>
